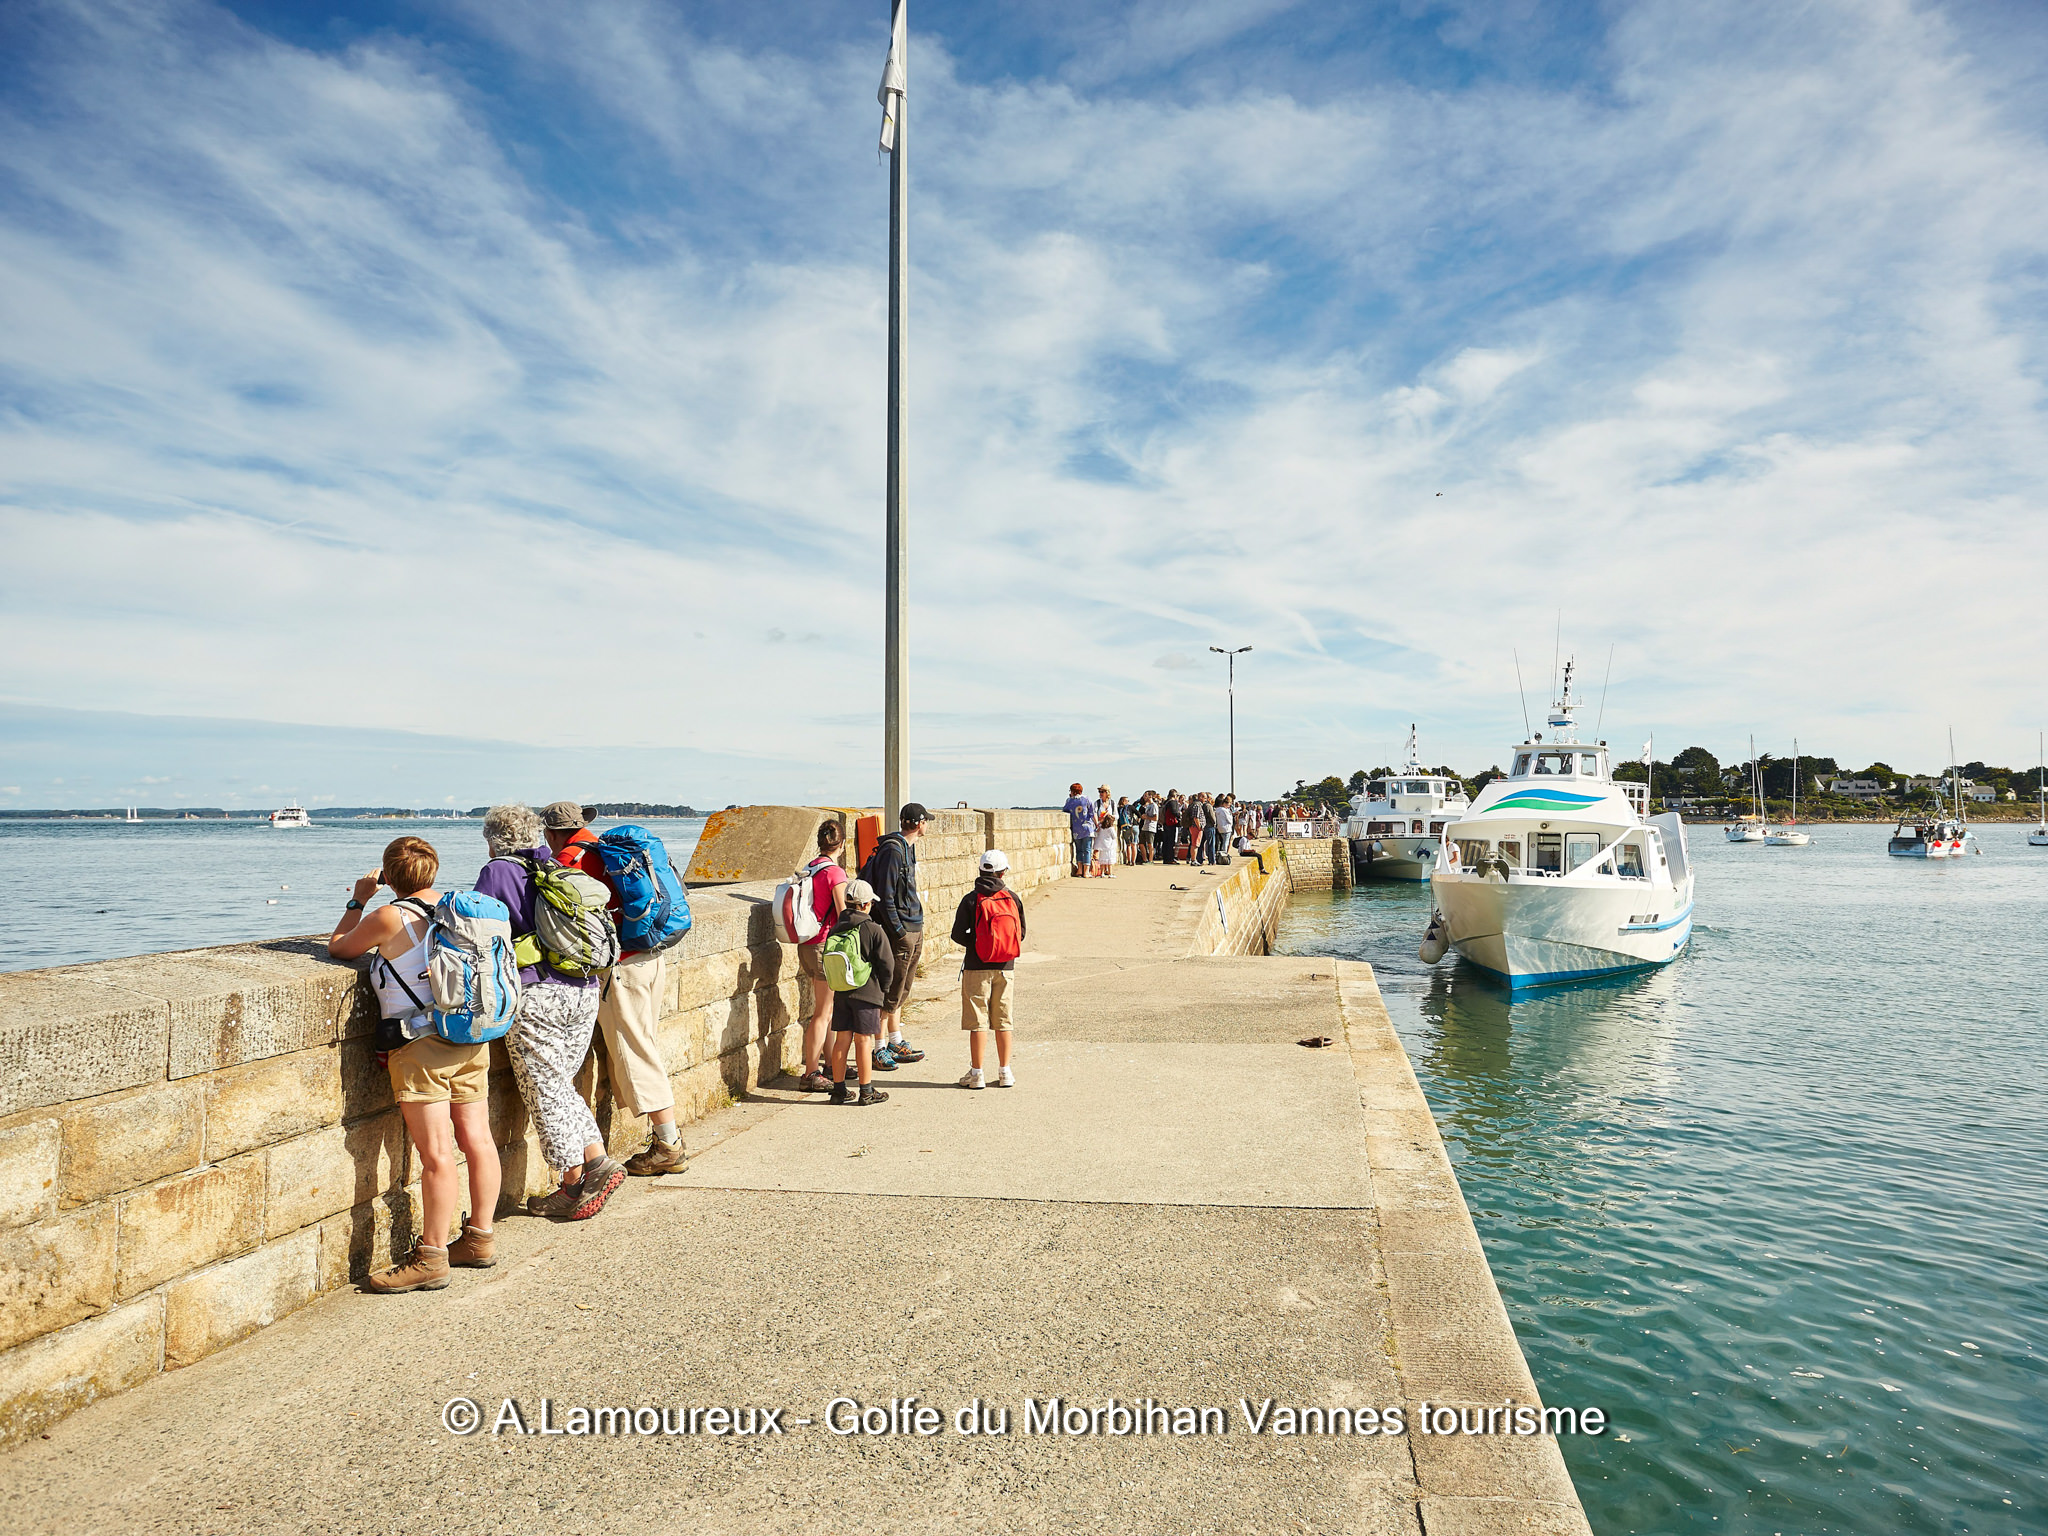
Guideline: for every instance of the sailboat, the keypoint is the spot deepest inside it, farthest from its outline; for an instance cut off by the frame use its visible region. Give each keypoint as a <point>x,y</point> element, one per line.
<point>2038,838</point>
<point>1789,835</point>
<point>1945,837</point>
<point>1750,828</point>
<point>131,814</point>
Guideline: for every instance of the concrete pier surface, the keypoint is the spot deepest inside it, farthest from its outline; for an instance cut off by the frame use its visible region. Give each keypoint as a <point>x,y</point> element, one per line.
<point>1177,1202</point>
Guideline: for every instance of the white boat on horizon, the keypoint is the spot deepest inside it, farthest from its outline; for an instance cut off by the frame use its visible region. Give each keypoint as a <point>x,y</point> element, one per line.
<point>293,815</point>
<point>1750,828</point>
<point>1396,824</point>
<point>1945,835</point>
<point>1558,873</point>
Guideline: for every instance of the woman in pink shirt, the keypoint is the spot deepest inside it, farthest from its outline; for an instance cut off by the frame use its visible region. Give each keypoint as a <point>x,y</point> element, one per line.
<point>828,900</point>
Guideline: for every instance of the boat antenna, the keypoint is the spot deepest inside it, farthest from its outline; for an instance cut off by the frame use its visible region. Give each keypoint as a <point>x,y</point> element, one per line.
<point>1526,731</point>
<point>1955,779</point>
<point>1556,641</point>
<point>1604,677</point>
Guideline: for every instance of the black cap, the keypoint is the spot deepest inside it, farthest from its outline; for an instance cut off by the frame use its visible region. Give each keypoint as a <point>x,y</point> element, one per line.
<point>913,812</point>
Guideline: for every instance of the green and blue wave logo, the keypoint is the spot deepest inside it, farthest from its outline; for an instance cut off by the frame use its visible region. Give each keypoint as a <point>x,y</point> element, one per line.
<point>1541,799</point>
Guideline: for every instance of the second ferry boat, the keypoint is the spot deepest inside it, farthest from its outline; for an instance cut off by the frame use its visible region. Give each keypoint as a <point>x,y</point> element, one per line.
<point>1397,823</point>
<point>1558,872</point>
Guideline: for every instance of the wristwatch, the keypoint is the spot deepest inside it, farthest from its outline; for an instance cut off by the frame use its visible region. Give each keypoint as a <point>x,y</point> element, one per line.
<point>353,905</point>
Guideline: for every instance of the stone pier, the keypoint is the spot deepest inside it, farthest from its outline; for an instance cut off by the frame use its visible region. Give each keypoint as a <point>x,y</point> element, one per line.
<point>1177,1203</point>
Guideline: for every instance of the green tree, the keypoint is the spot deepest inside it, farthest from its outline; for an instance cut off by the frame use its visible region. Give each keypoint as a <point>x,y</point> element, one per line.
<point>1357,781</point>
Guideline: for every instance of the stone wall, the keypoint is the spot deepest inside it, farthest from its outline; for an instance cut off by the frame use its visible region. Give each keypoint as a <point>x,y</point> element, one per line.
<point>1242,914</point>
<point>1317,863</point>
<point>193,1145</point>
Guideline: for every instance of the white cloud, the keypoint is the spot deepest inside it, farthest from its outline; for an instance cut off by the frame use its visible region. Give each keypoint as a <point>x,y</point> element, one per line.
<point>321,363</point>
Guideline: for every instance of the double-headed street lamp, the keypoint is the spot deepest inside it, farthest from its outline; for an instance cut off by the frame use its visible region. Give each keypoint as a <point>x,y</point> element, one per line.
<point>1231,657</point>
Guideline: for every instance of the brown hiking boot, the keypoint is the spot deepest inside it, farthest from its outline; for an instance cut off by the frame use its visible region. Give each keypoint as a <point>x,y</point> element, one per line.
<point>426,1270</point>
<point>659,1157</point>
<point>473,1250</point>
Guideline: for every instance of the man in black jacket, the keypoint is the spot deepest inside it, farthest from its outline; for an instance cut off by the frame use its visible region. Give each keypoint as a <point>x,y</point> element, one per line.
<point>892,870</point>
<point>986,983</point>
<point>857,1014</point>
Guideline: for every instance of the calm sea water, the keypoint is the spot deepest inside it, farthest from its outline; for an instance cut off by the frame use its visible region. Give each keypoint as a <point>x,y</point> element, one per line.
<point>95,890</point>
<point>1782,1207</point>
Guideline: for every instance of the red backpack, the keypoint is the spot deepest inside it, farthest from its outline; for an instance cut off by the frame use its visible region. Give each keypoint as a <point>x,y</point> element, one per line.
<point>998,936</point>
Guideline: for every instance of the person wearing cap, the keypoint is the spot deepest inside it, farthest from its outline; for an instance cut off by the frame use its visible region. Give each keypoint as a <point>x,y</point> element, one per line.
<point>628,1010</point>
<point>891,870</point>
<point>987,987</point>
<point>857,1014</point>
<point>1081,815</point>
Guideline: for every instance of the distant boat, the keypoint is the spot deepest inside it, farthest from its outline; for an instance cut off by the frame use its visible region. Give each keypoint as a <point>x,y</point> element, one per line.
<point>291,816</point>
<point>1397,823</point>
<point>131,814</point>
<point>1942,837</point>
<point>2038,838</point>
<point>1750,828</point>
<point>1789,835</point>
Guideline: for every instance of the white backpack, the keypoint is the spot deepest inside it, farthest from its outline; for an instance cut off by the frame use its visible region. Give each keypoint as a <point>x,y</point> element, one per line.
<point>796,911</point>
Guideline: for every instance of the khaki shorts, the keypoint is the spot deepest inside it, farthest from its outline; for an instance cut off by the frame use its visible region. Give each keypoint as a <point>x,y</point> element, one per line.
<point>985,999</point>
<point>431,1071</point>
<point>810,959</point>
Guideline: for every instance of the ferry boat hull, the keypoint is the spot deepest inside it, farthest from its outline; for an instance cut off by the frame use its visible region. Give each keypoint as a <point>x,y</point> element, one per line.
<point>1542,932</point>
<point>1395,858</point>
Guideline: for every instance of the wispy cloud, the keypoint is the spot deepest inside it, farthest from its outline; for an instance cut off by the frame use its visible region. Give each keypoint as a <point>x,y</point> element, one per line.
<point>544,347</point>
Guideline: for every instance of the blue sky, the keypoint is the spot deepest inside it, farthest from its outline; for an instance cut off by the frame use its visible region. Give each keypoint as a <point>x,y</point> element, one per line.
<point>490,395</point>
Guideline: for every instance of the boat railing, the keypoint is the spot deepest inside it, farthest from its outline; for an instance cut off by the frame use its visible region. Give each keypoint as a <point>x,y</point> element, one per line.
<point>1638,797</point>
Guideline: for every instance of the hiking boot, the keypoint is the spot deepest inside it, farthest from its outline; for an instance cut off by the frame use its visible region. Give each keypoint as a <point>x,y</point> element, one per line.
<point>884,1059</point>
<point>814,1082</point>
<point>426,1270</point>
<point>657,1158</point>
<point>585,1198</point>
<point>870,1094</point>
<point>473,1250</point>
<point>973,1079</point>
<point>903,1050</point>
<point>845,1093</point>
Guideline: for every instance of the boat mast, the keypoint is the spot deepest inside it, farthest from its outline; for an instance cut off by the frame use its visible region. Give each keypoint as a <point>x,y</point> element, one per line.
<point>1795,781</point>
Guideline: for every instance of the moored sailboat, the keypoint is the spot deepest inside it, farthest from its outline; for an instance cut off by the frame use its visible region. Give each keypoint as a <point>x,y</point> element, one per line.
<point>1788,835</point>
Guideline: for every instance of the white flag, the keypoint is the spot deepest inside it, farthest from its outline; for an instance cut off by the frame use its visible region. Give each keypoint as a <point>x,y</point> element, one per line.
<point>891,93</point>
<point>1646,751</point>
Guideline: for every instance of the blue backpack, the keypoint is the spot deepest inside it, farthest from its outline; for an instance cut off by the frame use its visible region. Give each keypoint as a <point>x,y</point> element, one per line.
<point>471,974</point>
<point>654,904</point>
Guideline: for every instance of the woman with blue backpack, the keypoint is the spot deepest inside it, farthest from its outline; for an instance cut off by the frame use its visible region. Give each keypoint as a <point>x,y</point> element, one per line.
<point>441,1086</point>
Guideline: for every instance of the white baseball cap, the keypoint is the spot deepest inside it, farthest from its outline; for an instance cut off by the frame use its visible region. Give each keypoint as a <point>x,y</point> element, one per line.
<point>994,862</point>
<point>859,893</point>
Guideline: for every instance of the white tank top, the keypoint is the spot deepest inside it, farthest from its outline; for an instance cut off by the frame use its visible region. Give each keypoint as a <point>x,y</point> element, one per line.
<point>403,992</point>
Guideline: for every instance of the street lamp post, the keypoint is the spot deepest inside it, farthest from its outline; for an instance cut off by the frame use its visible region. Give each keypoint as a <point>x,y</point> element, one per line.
<point>1231,657</point>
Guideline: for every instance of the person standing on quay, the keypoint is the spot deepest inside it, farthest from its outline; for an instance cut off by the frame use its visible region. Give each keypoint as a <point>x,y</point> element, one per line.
<point>628,1011</point>
<point>551,1036</point>
<point>441,1089</point>
<point>857,1011</point>
<point>1226,817</point>
<point>1104,863</point>
<point>1148,827</point>
<point>1169,826</point>
<point>1081,817</point>
<point>989,928</point>
<point>892,873</point>
<point>828,905</point>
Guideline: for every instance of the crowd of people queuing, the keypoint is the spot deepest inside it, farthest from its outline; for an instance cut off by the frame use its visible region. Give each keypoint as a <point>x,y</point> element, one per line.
<point>1200,829</point>
<point>860,961</point>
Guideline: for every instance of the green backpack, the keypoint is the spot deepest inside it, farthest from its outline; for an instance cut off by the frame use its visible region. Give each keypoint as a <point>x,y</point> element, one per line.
<point>846,967</point>
<point>573,932</point>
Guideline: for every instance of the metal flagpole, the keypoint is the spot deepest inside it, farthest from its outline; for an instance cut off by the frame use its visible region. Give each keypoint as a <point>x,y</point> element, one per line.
<point>896,639</point>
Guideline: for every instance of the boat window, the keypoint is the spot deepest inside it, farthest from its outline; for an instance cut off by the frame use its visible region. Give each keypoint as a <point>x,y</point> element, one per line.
<point>1416,827</point>
<point>1521,765</point>
<point>1628,860</point>
<point>1546,851</point>
<point>1554,762</point>
<point>1589,764</point>
<point>1380,828</point>
<point>1578,848</point>
<point>1376,790</point>
<point>1436,829</point>
<point>1471,851</point>
<point>1511,852</point>
<point>1417,786</point>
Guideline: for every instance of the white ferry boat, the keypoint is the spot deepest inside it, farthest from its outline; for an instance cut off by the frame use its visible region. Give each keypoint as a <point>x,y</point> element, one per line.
<point>1559,873</point>
<point>291,816</point>
<point>1397,823</point>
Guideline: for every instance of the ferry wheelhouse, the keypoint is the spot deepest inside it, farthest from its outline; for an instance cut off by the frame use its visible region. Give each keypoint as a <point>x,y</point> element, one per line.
<point>1557,872</point>
<point>1397,823</point>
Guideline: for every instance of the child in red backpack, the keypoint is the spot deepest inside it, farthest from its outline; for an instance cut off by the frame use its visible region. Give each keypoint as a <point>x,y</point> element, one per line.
<point>989,928</point>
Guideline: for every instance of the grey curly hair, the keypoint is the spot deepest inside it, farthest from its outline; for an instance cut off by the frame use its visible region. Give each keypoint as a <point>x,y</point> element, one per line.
<point>511,829</point>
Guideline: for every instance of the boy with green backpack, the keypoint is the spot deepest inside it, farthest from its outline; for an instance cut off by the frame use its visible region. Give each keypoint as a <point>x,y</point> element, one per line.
<point>859,965</point>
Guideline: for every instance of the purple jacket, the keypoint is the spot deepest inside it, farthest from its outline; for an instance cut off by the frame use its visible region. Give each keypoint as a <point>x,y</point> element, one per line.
<point>512,885</point>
